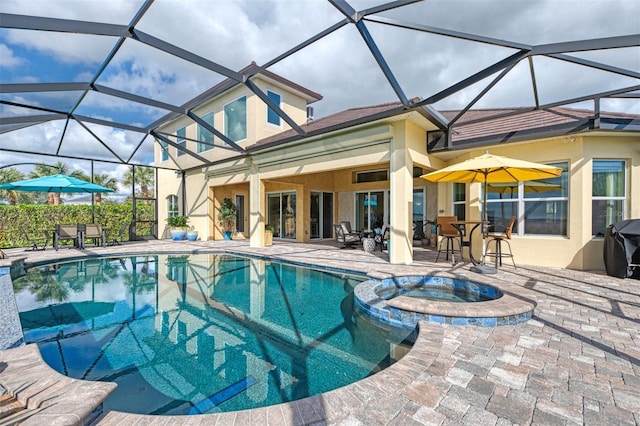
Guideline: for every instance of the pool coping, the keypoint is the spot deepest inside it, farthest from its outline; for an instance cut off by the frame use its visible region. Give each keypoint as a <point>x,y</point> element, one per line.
<point>48,397</point>
<point>406,312</point>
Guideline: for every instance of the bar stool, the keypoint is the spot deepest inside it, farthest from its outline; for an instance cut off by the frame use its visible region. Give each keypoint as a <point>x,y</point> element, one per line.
<point>449,234</point>
<point>497,238</point>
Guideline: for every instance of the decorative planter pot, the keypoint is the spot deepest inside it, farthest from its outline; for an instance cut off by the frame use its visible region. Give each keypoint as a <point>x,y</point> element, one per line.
<point>369,244</point>
<point>227,235</point>
<point>268,238</point>
<point>192,235</point>
<point>178,234</point>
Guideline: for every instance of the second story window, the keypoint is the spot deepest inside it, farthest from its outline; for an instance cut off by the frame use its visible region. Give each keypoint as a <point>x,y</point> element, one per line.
<point>205,135</point>
<point>181,134</point>
<point>272,117</point>
<point>163,150</point>
<point>235,119</point>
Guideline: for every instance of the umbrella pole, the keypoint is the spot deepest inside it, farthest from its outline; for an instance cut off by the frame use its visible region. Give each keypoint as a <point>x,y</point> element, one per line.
<point>483,221</point>
<point>483,268</point>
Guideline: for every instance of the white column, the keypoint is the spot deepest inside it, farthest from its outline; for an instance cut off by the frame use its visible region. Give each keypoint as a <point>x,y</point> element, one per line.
<point>401,199</point>
<point>256,208</point>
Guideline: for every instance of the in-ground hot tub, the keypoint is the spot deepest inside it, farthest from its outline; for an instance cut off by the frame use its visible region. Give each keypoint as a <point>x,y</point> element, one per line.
<point>404,301</point>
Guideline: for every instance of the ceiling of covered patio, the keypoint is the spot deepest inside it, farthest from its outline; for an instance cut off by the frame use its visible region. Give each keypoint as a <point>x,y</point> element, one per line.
<point>95,81</point>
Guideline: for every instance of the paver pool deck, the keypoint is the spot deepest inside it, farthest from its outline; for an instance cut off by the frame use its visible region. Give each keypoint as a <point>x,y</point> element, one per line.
<point>577,361</point>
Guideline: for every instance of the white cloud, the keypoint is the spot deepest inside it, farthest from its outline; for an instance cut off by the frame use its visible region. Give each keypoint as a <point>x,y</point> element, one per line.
<point>9,60</point>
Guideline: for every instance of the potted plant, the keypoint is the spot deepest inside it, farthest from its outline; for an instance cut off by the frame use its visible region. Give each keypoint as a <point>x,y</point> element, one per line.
<point>178,225</point>
<point>227,217</point>
<point>192,234</point>
<point>268,234</point>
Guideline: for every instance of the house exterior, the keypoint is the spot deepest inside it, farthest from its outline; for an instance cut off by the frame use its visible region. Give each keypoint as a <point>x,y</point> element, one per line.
<point>363,165</point>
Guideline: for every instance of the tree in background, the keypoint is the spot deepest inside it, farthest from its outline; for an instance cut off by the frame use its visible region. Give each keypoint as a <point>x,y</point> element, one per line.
<point>10,175</point>
<point>145,181</point>
<point>106,181</point>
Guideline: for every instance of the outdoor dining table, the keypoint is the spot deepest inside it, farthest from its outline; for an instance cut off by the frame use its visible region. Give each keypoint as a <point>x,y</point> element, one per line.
<point>462,226</point>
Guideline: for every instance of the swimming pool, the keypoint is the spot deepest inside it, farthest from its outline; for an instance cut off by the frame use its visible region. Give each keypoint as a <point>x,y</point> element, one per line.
<point>190,334</point>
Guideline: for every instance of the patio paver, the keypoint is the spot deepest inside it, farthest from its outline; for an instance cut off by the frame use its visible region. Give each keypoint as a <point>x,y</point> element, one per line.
<point>576,362</point>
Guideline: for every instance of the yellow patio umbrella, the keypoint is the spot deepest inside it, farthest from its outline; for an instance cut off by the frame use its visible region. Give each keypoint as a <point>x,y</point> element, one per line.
<point>489,168</point>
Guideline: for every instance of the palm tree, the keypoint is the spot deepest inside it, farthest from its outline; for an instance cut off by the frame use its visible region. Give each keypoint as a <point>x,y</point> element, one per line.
<point>106,181</point>
<point>10,175</point>
<point>145,179</point>
<point>62,168</point>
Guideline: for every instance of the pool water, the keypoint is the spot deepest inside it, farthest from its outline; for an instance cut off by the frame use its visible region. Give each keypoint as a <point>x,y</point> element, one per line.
<point>201,333</point>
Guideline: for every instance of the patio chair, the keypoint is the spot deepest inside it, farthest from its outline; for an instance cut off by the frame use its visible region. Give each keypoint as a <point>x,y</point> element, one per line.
<point>116,239</point>
<point>449,234</point>
<point>94,232</point>
<point>66,232</point>
<point>381,238</point>
<point>36,243</point>
<point>347,227</point>
<point>348,239</point>
<point>497,238</point>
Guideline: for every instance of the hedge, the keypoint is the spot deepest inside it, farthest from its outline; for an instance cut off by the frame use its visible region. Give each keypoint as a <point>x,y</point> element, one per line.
<point>34,219</point>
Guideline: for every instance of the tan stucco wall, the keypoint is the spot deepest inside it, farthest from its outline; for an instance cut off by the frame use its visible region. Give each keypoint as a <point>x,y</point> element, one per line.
<point>329,164</point>
<point>257,126</point>
<point>578,250</point>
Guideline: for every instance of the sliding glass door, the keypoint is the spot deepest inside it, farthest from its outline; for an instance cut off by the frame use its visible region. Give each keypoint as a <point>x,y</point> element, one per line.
<point>321,212</point>
<point>281,214</point>
<point>370,210</point>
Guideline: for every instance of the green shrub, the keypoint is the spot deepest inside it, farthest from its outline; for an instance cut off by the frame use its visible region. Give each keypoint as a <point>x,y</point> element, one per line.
<point>43,217</point>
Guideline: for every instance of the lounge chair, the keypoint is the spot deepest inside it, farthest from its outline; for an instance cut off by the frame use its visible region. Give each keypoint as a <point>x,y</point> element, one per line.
<point>65,232</point>
<point>36,243</point>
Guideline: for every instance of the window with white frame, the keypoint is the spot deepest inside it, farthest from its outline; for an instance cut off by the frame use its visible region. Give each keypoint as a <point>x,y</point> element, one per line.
<point>272,116</point>
<point>172,206</point>
<point>164,151</point>
<point>540,206</point>
<point>608,194</point>
<point>205,137</point>
<point>235,119</point>
<point>181,140</point>
<point>459,200</point>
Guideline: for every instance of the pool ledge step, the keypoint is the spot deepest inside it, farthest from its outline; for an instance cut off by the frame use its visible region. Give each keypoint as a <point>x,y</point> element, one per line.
<point>504,306</point>
<point>46,396</point>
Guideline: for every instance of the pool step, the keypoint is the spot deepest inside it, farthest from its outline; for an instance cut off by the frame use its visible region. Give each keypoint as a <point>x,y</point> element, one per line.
<point>222,396</point>
<point>8,406</point>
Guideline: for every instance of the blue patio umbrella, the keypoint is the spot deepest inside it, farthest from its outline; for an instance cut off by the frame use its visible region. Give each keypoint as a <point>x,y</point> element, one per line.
<point>55,183</point>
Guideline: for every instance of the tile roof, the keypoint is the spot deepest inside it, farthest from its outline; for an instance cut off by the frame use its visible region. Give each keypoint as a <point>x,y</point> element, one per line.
<point>522,119</point>
<point>480,124</point>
